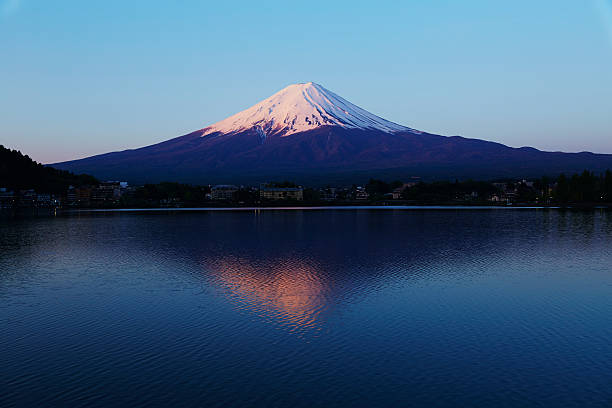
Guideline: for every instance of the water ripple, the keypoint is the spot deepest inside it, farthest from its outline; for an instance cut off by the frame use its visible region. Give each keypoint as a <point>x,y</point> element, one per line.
<point>307,308</point>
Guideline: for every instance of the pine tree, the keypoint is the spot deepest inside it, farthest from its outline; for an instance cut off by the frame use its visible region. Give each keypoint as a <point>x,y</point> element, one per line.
<point>562,192</point>
<point>607,186</point>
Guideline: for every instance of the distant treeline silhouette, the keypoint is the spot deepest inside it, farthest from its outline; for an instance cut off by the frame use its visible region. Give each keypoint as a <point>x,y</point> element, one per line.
<point>152,193</point>
<point>586,187</point>
<point>446,191</point>
<point>20,172</point>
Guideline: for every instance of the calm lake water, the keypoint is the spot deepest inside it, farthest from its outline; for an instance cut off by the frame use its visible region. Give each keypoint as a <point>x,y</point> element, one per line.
<point>312,308</point>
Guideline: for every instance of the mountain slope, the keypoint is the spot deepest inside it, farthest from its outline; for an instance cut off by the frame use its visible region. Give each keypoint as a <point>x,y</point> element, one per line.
<point>309,134</point>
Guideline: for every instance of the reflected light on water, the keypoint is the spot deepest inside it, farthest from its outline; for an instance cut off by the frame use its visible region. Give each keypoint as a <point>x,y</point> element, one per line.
<point>291,291</point>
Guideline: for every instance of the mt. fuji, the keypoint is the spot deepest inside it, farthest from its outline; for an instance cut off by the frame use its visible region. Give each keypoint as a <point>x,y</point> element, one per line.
<point>299,108</point>
<point>308,134</point>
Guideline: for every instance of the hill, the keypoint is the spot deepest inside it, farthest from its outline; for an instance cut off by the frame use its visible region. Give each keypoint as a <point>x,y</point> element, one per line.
<point>20,172</point>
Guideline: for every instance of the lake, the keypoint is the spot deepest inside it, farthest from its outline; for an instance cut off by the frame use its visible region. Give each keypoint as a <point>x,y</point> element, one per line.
<point>307,308</point>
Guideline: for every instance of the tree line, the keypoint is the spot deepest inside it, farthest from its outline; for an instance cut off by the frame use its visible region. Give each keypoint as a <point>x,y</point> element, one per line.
<point>586,187</point>
<point>20,172</point>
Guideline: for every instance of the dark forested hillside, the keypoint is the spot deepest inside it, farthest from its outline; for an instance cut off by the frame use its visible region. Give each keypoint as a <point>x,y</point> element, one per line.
<point>18,171</point>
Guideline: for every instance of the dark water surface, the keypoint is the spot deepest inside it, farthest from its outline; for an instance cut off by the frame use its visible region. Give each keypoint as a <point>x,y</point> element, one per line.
<point>424,308</point>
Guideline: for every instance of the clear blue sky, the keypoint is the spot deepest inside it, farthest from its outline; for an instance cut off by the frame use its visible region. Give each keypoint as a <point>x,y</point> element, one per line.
<point>86,77</point>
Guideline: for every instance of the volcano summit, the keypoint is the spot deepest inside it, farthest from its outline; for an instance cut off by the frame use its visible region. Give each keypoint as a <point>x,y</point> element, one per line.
<point>300,108</point>
<point>309,134</point>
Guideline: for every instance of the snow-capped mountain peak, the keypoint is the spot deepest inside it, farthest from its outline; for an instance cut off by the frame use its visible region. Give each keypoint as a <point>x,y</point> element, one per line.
<point>301,107</point>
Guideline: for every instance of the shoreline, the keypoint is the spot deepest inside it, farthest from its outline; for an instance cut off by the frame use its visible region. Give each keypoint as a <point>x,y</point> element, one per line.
<point>316,208</point>
<point>8,212</point>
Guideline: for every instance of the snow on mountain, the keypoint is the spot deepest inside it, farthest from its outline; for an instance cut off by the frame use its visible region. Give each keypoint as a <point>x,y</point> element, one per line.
<point>301,107</point>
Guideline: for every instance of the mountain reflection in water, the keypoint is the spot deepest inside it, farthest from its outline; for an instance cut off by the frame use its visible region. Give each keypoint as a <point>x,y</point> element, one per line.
<point>290,291</point>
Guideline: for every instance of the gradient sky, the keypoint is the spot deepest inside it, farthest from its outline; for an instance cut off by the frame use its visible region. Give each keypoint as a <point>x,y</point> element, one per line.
<point>86,77</point>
